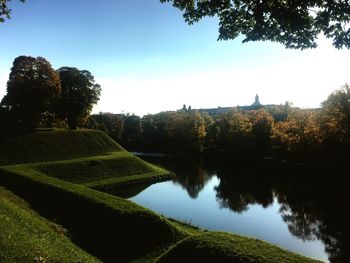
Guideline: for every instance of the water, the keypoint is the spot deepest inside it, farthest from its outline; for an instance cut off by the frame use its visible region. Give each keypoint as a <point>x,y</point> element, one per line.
<point>296,208</point>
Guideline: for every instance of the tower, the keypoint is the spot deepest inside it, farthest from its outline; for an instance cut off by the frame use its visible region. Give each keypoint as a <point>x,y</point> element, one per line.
<point>256,102</point>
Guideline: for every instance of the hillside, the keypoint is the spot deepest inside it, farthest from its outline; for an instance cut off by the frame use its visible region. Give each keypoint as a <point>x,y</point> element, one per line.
<point>55,172</point>
<point>27,237</point>
<point>45,146</point>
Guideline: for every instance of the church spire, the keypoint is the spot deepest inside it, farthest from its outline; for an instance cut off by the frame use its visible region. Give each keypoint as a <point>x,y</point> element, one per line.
<point>257,101</point>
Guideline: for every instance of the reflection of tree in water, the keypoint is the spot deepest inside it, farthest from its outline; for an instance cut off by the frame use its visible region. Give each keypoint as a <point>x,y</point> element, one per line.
<point>192,176</point>
<point>313,205</point>
<point>236,191</point>
<point>316,207</point>
<point>191,173</point>
<point>231,195</point>
<point>303,225</point>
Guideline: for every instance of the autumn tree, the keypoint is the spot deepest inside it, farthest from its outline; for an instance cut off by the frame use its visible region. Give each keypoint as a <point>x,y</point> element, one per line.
<point>262,123</point>
<point>299,135</point>
<point>110,123</point>
<point>79,94</point>
<point>279,112</point>
<point>234,132</point>
<point>153,131</point>
<point>335,115</point>
<point>32,89</point>
<point>295,24</point>
<point>185,130</point>
<point>5,11</point>
<point>132,130</point>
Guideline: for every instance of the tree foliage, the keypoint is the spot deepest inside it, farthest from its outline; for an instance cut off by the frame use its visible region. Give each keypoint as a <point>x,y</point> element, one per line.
<point>299,134</point>
<point>32,89</point>
<point>294,23</point>
<point>262,123</point>
<point>79,94</point>
<point>233,131</point>
<point>278,131</point>
<point>110,123</point>
<point>5,11</point>
<point>132,129</point>
<point>335,118</point>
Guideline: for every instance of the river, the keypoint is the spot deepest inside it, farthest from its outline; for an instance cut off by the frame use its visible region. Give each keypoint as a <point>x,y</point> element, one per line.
<point>301,209</point>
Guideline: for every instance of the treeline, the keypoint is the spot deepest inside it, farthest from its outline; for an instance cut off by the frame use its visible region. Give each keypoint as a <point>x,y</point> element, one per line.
<point>39,96</point>
<point>188,130</point>
<point>277,131</point>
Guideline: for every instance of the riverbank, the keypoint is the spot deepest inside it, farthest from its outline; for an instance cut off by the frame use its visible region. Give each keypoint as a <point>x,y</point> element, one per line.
<point>108,227</point>
<point>25,236</point>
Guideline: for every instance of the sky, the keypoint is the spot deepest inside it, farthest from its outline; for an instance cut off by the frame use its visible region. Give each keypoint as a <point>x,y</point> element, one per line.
<point>147,59</point>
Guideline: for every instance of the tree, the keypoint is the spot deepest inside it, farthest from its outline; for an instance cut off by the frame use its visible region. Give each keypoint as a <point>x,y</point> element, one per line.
<point>262,123</point>
<point>132,130</point>
<point>32,89</point>
<point>79,94</point>
<point>335,115</point>
<point>298,135</point>
<point>5,11</point>
<point>295,24</point>
<point>185,130</point>
<point>153,132</point>
<point>110,123</point>
<point>234,132</point>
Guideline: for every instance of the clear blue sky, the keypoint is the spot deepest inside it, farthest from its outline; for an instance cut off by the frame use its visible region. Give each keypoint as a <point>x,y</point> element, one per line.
<point>147,59</point>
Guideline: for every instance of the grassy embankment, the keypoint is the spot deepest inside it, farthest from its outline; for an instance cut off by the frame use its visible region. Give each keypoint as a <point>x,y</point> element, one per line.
<point>85,157</point>
<point>27,237</point>
<point>52,176</point>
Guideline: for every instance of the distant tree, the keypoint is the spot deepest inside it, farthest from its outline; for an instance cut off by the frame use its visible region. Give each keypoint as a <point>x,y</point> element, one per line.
<point>295,24</point>
<point>298,135</point>
<point>335,115</point>
<point>279,112</point>
<point>234,132</point>
<point>32,89</point>
<point>110,123</point>
<point>5,11</point>
<point>153,132</point>
<point>262,123</point>
<point>132,130</point>
<point>79,94</point>
<point>185,130</point>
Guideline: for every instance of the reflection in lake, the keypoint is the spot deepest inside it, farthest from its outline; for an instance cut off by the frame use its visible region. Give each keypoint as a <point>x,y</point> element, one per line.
<point>303,209</point>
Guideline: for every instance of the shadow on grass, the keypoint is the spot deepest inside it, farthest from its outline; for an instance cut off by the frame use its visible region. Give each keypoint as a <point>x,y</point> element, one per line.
<point>102,231</point>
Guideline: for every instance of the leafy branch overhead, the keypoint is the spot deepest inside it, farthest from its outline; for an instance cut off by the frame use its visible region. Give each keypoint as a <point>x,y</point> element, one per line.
<point>5,11</point>
<point>293,23</point>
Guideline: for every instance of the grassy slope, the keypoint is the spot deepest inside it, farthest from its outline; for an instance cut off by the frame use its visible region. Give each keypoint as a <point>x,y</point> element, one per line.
<point>93,217</point>
<point>224,247</point>
<point>126,231</point>
<point>54,145</point>
<point>27,237</point>
<point>102,171</point>
<point>86,157</point>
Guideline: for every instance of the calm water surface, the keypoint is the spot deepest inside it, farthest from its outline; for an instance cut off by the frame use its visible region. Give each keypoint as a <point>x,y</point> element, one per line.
<point>274,203</point>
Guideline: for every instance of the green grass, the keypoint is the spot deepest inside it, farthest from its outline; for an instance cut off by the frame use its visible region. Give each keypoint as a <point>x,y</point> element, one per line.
<point>54,145</point>
<point>224,247</point>
<point>88,170</point>
<point>27,237</point>
<point>138,234</point>
<point>58,174</point>
<point>102,172</point>
<point>124,226</point>
<point>85,157</point>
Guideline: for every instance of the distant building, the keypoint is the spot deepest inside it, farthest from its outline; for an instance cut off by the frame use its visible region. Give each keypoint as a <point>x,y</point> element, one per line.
<point>255,106</point>
<point>256,102</point>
